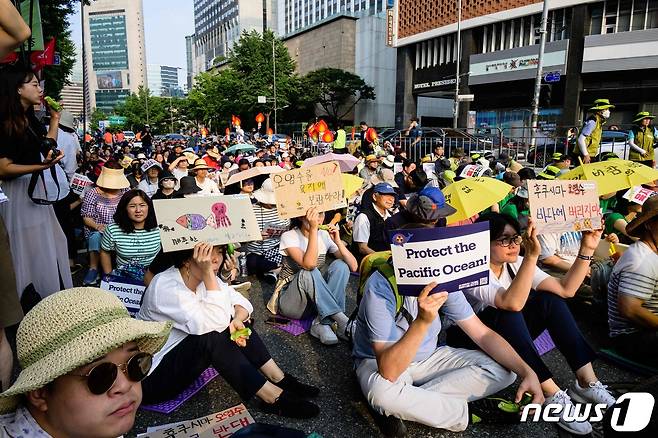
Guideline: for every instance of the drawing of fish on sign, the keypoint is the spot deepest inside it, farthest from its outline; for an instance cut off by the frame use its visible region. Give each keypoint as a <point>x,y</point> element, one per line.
<point>196,222</point>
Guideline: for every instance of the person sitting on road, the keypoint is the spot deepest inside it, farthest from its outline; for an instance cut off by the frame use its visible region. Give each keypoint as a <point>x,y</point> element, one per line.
<point>521,301</point>
<point>371,168</point>
<point>306,285</point>
<point>83,358</point>
<point>405,376</point>
<point>200,171</point>
<point>133,237</point>
<point>622,213</point>
<point>167,184</point>
<point>206,314</point>
<point>149,184</point>
<point>633,290</point>
<point>368,231</point>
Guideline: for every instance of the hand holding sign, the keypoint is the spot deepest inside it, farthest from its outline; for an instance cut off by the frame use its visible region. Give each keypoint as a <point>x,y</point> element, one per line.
<point>429,305</point>
<point>530,241</point>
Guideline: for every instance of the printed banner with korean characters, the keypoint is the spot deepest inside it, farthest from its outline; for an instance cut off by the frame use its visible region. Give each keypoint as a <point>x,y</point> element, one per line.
<point>219,425</point>
<point>563,206</point>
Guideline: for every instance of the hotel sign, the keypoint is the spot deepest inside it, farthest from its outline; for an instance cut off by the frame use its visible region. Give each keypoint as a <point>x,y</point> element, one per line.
<point>390,27</point>
<point>484,69</point>
<point>433,84</point>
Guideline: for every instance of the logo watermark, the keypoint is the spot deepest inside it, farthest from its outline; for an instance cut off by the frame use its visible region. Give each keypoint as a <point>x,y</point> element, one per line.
<point>631,413</point>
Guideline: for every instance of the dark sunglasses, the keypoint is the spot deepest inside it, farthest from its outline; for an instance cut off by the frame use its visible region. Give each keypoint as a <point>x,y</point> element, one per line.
<point>507,241</point>
<point>102,376</point>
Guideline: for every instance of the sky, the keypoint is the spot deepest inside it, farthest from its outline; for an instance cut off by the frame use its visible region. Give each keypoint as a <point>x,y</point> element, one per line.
<point>166,23</point>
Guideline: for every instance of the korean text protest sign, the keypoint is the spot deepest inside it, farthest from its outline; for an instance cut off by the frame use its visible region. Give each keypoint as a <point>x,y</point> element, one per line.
<point>562,206</point>
<point>318,186</point>
<point>80,184</point>
<point>219,425</point>
<point>456,258</point>
<point>639,194</point>
<point>213,219</point>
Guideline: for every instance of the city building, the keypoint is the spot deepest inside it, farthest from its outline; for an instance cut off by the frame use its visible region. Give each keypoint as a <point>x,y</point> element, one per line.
<point>350,35</point>
<point>189,54</point>
<point>218,24</point>
<point>163,81</point>
<point>72,95</point>
<point>594,49</point>
<point>114,46</point>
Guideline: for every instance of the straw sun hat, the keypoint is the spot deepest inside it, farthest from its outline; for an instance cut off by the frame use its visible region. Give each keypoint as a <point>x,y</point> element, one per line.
<point>112,179</point>
<point>73,328</point>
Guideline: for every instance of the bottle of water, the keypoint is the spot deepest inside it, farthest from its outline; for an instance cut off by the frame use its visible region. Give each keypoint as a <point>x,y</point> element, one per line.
<point>242,263</point>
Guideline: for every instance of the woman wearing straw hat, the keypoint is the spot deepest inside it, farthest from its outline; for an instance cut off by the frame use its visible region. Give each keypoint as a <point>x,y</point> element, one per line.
<point>98,207</point>
<point>642,139</point>
<point>589,140</point>
<point>200,171</point>
<point>633,290</point>
<point>83,358</point>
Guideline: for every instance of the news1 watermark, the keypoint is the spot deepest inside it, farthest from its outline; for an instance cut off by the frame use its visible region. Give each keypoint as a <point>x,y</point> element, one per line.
<point>631,413</point>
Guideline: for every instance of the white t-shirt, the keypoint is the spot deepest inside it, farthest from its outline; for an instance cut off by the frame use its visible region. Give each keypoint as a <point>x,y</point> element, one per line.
<point>208,187</point>
<point>69,144</point>
<point>483,296</point>
<point>295,239</point>
<point>361,227</point>
<point>564,245</point>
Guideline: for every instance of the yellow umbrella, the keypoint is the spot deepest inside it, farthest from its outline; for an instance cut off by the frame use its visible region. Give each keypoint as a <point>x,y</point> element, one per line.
<point>351,183</point>
<point>613,175</point>
<point>472,195</point>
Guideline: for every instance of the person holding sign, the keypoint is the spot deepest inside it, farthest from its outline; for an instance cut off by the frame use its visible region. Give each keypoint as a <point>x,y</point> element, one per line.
<point>306,286</point>
<point>521,301</point>
<point>209,321</point>
<point>403,373</point>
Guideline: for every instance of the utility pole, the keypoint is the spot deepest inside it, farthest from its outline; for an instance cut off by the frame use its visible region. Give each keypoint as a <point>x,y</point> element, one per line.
<point>455,118</point>
<point>538,77</point>
<point>274,77</point>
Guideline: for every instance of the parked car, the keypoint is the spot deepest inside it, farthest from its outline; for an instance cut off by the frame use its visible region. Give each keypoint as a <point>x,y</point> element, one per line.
<point>129,135</point>
<point>175,137</point>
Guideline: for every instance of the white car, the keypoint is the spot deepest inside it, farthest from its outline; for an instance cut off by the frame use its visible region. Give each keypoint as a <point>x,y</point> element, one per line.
<point>129,135</point>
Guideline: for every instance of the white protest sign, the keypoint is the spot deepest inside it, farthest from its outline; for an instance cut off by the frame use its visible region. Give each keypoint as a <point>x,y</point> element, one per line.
<point>429,169</point>
<point>639,194</point>
<point>128,291</point>
<point>213,219</point>
<point>218,425</point>
<point>472,170</point>
<point>318,186</point>
<point>397,167</point>
<point>456,258</point>
<point>79,184</point>
<point>564,206</point>
<point>3,197</point>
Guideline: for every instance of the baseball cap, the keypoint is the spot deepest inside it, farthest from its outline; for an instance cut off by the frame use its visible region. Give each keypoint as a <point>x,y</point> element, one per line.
<point>429,205</point>
<point>384,189</point>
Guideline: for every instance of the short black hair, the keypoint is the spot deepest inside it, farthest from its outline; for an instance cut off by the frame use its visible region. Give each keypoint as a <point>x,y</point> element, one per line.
<point>121,214</point>
<point>527,173</point>
<point>407,162</point>
<point>498,222</point>
<point>179,258</point>
<point>243,161</point>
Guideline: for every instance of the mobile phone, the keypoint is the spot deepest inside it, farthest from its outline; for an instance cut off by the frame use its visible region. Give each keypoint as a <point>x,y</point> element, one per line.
<point>277,320</point>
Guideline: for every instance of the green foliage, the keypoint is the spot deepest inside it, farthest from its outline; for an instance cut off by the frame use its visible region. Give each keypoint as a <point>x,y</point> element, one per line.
<point>54,20</point>
<point>161,111</point>
<point>336,91</point>
<point>96,117</point>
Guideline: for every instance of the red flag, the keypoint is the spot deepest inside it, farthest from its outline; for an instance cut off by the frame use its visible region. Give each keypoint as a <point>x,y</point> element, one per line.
<point>13,56</point>
<point>42,58</point>
<point>322,126</point>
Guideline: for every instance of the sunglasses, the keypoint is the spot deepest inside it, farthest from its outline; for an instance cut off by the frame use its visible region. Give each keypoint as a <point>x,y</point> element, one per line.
<point>507,241</point>
<point>102,376</point>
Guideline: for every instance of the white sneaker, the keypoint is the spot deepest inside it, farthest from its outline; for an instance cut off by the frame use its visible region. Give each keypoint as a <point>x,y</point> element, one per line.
<point>596,392</point>
<point>573,426</point>
<point>323,332</point>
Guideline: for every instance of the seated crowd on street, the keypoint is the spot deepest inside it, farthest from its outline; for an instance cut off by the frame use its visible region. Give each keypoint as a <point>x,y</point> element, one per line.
<point>436,357</point>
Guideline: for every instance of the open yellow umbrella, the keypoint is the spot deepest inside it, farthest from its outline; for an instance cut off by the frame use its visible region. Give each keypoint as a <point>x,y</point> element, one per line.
<point>472,195</point>
<point>351,183</point>
<point>613,175</point>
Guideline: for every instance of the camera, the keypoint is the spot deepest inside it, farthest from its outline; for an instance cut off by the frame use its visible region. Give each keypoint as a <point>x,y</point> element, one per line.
<point>49,145</point>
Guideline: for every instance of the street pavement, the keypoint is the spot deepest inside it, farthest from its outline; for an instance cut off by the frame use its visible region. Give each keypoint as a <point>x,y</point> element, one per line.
<point>343,409</point>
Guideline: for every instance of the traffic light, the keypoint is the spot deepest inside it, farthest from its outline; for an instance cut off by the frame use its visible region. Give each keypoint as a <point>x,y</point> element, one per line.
<point>545,95</point>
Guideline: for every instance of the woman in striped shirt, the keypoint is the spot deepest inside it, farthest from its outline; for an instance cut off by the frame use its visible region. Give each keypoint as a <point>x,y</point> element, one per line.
<point>133,237</point>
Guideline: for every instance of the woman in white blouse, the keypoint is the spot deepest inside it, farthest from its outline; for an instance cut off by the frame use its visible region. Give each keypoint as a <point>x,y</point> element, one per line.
<point>205,312</point>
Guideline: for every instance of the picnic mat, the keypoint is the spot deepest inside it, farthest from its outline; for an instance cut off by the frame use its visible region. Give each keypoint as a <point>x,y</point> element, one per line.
<point>169,406</point>
<point>296,326</point>
<point>544,343</point>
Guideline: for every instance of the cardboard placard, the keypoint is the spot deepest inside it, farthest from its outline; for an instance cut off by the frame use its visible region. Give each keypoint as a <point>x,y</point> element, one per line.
<point>213,219</point>
<point>80,184</point>
<point>318,186</point>
<point>456,258</point>
<point>562,206</point>
<point>472,170</point>
<point>127,290</point>
<point>639,194</point>
<point>429,169</point>
<point>218,425</point>
<point>397,167</point>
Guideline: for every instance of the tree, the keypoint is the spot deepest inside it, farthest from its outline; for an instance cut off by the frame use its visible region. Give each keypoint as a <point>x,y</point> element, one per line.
<point>96,117</point>
<point>135,108</point>
<point>336,91</point>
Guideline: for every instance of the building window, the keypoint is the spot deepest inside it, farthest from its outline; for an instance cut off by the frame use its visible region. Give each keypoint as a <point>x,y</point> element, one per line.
<point>614,16</point>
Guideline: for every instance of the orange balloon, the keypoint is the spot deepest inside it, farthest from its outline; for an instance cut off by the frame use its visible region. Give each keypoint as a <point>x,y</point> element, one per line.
<point>371,135</point>
<point>270,131</point>
<point>260,118</point>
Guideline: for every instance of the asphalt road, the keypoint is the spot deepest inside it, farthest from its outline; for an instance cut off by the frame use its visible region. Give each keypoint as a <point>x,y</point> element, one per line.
<point>343,409</point>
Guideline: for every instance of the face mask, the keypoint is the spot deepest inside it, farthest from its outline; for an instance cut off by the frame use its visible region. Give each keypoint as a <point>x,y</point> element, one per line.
<point>168,184</point>
<point>605,113</point>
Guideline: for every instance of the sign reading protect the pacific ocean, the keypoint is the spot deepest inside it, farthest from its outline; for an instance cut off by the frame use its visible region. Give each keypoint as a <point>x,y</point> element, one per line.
<point>456,258</point>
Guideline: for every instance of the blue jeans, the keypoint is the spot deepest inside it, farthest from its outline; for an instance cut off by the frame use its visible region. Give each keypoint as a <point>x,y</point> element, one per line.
<point>94,241</point>
<point>311,292</point>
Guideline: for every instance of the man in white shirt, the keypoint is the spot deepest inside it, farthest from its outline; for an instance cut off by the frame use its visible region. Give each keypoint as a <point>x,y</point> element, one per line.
<point>368,231</point>
<point>68,143</point>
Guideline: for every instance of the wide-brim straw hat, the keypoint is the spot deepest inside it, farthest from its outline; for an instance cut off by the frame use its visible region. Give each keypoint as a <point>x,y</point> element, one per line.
<point>70,329</point>
<point>200,164</point>
<point>213,152</point>
<point>639,116</point>
<point>649,211</point>
<point>372,157</point>
<point>113,179</point>
<point>265,195</point>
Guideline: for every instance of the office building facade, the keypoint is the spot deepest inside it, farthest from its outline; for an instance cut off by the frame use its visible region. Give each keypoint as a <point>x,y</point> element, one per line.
<point>594,49</point>
<point>189,57</point>
<point>295,15</point>
<point>116,57</point>
<point>163,81</point>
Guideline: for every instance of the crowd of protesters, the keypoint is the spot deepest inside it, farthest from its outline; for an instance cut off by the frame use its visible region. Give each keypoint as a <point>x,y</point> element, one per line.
<point>197,300</point>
